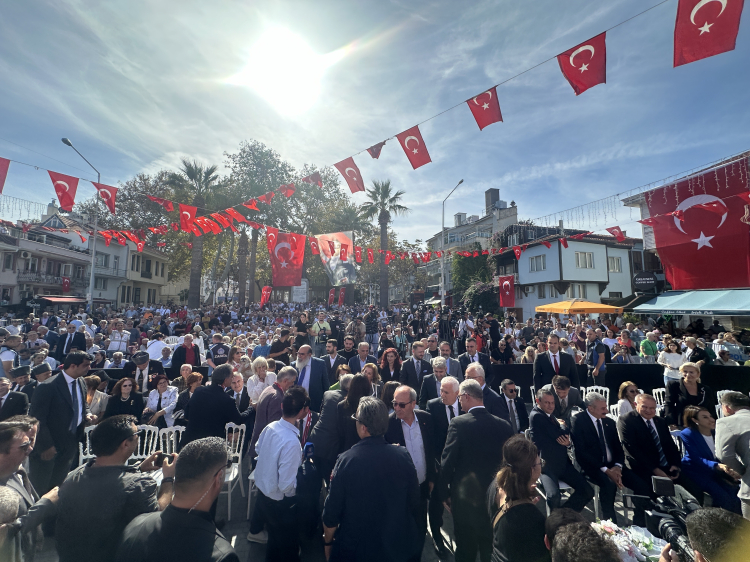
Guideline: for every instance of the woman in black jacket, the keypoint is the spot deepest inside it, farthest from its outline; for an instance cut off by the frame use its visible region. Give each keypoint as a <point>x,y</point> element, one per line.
<point>345,409</point>
<point>688,391</point>
<point>694,352</point>
<point>126,399</point>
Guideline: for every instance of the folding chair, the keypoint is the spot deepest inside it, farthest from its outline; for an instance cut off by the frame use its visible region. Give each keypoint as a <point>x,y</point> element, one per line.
<point>235,437</point>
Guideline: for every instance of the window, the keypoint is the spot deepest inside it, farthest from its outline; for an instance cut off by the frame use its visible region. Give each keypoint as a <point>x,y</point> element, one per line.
<point>67,270</point>
<point>584,260</point>
<point>146,266</point>
<point>7,294</point>
<point>31,265</point>
<point>615,294</point>
<point>8,262</point>
<point>615,264</point>
<point>162,269</point>
<point>538,263</point>
<point>541,292</point>
<point>122,294</point>
<point>576,291</point>
<point>102,260</point>
<point>513,239</point>
<point>100,283</point>
<point>137,263</point>
<point>137,295</point>
<point>127,299</point>
<point>80,272</point>
<point>132,262</point>
<point>637,262</point>
<point>116,263</point>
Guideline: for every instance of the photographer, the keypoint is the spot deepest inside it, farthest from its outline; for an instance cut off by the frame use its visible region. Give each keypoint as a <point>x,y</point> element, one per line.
<point>108,492</point>
<point>321,330</point>
<point>715,535</point>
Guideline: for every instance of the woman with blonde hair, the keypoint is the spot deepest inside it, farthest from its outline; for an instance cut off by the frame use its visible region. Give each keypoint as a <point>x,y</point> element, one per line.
<point>688,391</point>
<point>260,380</point>
<point>370,370</point>
<point>626,395</point>
<point>529,355</point>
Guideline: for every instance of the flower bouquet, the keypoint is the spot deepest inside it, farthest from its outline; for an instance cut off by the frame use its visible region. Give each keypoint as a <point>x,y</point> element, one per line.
<point>634,544</point>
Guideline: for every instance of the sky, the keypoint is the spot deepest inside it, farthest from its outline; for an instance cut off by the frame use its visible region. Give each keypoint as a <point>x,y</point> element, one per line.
<point>138,85</point>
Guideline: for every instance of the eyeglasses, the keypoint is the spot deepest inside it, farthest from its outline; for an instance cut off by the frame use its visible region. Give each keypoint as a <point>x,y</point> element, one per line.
<point>513,390</point>
<point>354,417</point>
<point>541,463</point>
<point>137,433</point>
<point>401,404</point>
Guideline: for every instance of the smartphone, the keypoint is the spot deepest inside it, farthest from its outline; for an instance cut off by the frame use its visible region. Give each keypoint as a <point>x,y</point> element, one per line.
<point>159,460</point>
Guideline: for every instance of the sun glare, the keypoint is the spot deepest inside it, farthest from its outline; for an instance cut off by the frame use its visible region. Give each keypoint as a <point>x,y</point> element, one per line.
<point>285,71</point>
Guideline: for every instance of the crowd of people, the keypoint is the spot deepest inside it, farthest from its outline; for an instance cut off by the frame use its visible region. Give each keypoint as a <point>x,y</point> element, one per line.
<point>323,394</point>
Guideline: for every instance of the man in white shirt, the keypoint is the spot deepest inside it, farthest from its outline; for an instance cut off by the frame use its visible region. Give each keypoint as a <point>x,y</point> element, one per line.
<point>279,456</point>
<point>118,339</point>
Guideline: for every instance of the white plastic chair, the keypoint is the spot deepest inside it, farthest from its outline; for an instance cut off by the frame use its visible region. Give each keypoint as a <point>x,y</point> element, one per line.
<point>675,433</point>
<point>171,340</point>
<point>148,443</point>
<point>719,411</point>
<point>614,411</point>
<point>169,438</point>
<point>603,390</point>
<point>660,395</point>
<point>84,449</point>
<point>235,437</point>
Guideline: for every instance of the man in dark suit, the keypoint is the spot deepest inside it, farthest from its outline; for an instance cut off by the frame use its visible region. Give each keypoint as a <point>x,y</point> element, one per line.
<point>414,370</point>
<point>363,357</point>
<point>69,340</point>
<point>211,408</point>
<point>143,370</point>
<point>553,439</point>
<point>50,336</point>
<point>22,381</point>
<point>187,353</point>
<point>492,401</point>
<point>553,362</point>
<point>12,403</point>
<point>414,430</point>
<point>513,407</point>
<point>238,392</point>
<point>431,383</point>
<point>649,448</point>
<point>324,434</point>
<point>333,360</point>
<point>60,406</point>
<point>471,458</point>
<point>473,356</point>
<point>312,376</point>
<point>567,397</point>
<point>601,458</point>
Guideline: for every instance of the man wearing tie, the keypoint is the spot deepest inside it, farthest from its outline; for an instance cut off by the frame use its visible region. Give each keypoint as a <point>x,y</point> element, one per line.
<point>514,408</point>
<point>241,398</point>
<point>473,356</point>
<point>70,340</point>
<point>431,383</point>
<point>312,376</point>
<point>415,369</point>
<point>59,403</point>
<point>143,369</point>
<point>566,398</point>
<point>552,362</point>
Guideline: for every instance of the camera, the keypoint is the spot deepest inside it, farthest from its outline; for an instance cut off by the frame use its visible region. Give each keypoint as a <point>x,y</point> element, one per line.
<point>159,460</point>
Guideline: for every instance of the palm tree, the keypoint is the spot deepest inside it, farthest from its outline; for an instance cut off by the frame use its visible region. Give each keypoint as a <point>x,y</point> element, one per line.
<point>384,204</point>
<point>199,181</point>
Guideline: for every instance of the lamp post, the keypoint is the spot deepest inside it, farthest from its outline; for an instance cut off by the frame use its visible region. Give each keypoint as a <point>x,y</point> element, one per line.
<point>92,238</point>
<point>442,249</point>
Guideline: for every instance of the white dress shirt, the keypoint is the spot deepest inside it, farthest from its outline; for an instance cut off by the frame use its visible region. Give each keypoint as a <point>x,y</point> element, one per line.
<point>556,358</point>
<point>279,457</point>
<point>415,446</point>
<point>306,381</point>
<point>73,386</point>
<point>141,378</point>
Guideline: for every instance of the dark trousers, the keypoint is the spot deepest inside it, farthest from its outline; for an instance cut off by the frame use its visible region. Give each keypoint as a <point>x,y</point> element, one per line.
<point>325,467</point>
<point>45,475</point>
<point>435,516</point>
<point>591,380</point>
<point>461,344</point>
<point>582,494</point>
<point>472,529</point>
<point>608,491</point>
<point>281,523</point>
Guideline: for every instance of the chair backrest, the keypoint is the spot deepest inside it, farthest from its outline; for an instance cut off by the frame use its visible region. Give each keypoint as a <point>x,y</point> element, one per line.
<point>660,395</point>
<point>235,435</point>
<point>719,411</point>
<point>603,390</point>
<point>719,394</point>
<point>169,438</point>
<point>148,442</point>
<point>84,449</point>
<point>614,411</point>
<point>171,340</point>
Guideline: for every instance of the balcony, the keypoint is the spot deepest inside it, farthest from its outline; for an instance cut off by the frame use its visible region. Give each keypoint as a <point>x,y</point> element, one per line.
<point>34,277</point>
<point>110,271</point>
<point>146,274</point>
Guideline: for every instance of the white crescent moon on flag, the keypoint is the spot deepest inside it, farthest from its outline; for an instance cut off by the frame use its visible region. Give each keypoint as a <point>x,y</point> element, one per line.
<point>353,170</point>
<point>283,245</point>
<point>694,201</point>
<point>67,187</point>
<point>475,99</point>
<point>702,3</point>
<point>407,139</point>
<point>271,237</point>
<point>586,48</point>
<point>102,192</point>
<point>186,213</point>
<point>506,283</point>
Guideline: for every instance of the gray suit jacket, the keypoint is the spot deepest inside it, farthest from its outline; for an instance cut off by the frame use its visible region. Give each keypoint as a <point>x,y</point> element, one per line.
<point>733,447</point>
<point>325,435</point>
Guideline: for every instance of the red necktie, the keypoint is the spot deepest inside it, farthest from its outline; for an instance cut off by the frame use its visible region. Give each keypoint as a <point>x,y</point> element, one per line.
<point>557,367</point>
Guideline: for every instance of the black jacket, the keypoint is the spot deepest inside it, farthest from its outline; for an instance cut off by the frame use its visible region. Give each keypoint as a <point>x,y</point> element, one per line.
<point>519,406</point>
<point>641,454</point>
<point>544,370</point>
<point>395,435</point>
<point>16,404</point>
<point>324,434</point>
<point>28,389</point>
<point>409,375</point>
<point>209,411</point>
<point>331,369</point>
<point>428,391</point>
<point>494,403</point>
<point>53,407</point>
<point>484,361</point>
<point>588,449</point>
<point>544,433</point>
<point>174,534</point>
<point>440,423</point>
<point>346,427</point>
<point>244,398</point>
<point>178,360</point>
<point>154,368</point>
<point>133,406</point>
<point>79,341</point>
<point>678,397</point>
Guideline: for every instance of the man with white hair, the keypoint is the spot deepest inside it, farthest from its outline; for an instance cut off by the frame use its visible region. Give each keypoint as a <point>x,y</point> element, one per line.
<point>492,400</point>
<point>431,383</point>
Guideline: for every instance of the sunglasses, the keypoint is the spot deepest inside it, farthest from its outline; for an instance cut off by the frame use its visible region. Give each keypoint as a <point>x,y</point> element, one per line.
<point>511,390</point>
<point>401,404</point>
<point>137,433</point>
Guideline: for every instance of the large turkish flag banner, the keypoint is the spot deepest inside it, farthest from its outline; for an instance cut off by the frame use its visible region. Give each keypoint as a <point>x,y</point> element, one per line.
<point>705,28</point>
<point>65,187</point>
<point>287,254</point>
<point>703,244</point>
<point>414,148</point>
<point>485,108</point>
<point>4,165</point>
<point>585,65</point>
<point>331,296</point>
<point>507,291</point>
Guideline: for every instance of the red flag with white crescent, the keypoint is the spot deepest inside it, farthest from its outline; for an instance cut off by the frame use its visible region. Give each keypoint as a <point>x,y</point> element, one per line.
<point>370,255</point>
<point>287,190</point>
<point>222,220</point>
<point>517,251</point>
<point>314,245</point>
<point>65,187</point>
<point>168,205</point>
<point>265,295</point>
<point>331,296</point>
<point>108,195</point>
<point>616,231</point>
<point>272,236</point>
<point>161,244</point>
<point>286,251</point>
<point>313,178</point>
<point>251,204</point>
<point>342,292</point>
<point>4,165</point>
<point>187,217</point>
<point>66,284</point>
<point>507,291</point>
<point>343,253</point>
<point>485,108</point>
<point>585,65</point>
<point>236,215</point>
<point>705,28</point>
<point>564,242</point>
<point>107,236</point>
<point>375,149</point>
<point>358,254</point>
<point>413,144</point>
<point>351,174</point>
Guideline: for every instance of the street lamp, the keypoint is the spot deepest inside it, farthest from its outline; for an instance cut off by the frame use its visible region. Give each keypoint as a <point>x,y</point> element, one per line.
<point>92,238</point>
<point>442,250</point>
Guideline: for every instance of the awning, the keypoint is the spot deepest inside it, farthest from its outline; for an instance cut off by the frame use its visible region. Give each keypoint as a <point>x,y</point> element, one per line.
<point>577,306</point>
<point>62,300</point>
<point>731,302</point>
<point>629,303</point>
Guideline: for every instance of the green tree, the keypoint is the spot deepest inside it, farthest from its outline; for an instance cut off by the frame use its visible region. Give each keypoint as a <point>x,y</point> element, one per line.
<point>481,296</point>
<point>467,271</point>
<point>383,204</point>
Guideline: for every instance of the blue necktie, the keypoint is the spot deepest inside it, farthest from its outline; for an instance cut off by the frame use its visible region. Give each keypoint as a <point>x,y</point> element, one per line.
<point>302,375</point>
<point>662,456</point>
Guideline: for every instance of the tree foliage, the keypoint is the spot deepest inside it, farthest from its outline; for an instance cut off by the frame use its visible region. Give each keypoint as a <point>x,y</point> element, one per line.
<point>482,296</point>
<point>467,271</point>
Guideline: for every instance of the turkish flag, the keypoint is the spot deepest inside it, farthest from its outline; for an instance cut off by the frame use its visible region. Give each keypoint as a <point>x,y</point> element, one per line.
<point>207,225</point>
<point>272,235</point>
<point>375,149</point>
<point>4,165</point>
<point>266,197</point>
<point>705,28</point>
<point>517,251</point>
<point>351,174</point>
<point>81,236</point>
<point>236,215</point>
<point>251,204</point>
<point>222,220</point>
<point>161,244</point>
<point>66,284</point>
<point>287,251</point>
<point>168,205</point>
<point>107,236</point>
<point>108,194</point>
<point>507,291</point>
<point>140,245</point>
<point>564,242</point>
<point>331,296</point>
<point>288,190</point>
<point>187,217</point>
<point>708,249</point>
<point>314,245</point>
<point>265,295</point>
<point>579,236</point>
<point>343,254</point>
<point>331,247</point>
<point>585,65</point>
<point>547,243</point>
<point>358,254</point>
<point>616,231</point>
<point>342,292</point>
<point>313,178</point>
<point>414,148</point>
<point>370,255</point>
<point>485,108</point>
<point>65,187</point>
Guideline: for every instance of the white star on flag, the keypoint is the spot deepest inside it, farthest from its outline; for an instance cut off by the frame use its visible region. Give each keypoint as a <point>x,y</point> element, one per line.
<point>283,263</point>
<point>703,240</point>
<point>706,28</point>
<point>485,106</point>
<point>584,67</point>
<point>415,151</point>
